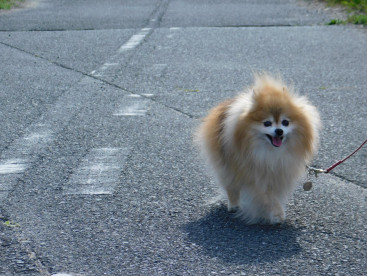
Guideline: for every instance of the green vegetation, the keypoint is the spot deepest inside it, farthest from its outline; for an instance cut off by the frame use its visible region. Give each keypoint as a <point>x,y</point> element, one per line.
<point>11,224</point>
<point>358,19</point>
<point>352,5</point>
<point>336,22</point>
<point>357,9</point>
<point>8,4</point>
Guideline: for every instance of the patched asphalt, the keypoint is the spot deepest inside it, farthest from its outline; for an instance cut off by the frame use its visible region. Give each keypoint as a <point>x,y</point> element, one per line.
<point>66,83</point>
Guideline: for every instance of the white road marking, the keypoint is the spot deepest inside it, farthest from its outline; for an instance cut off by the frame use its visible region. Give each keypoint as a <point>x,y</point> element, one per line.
<point>11,166</point>
<point>98,172</point>
<point>19,156</point>
<point>172,29</point>
<point>111,64</point>
<point>25,150</point>
<point>132,105</point>
<point>107,66</point>
<point>135,40</point>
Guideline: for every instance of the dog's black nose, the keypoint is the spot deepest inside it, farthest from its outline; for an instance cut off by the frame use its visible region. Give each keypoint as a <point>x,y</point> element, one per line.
<point>279,132</point>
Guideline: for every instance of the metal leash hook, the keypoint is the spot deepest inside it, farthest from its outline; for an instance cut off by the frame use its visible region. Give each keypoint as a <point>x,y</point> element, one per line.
<point>311,172</point>
<point>315,172</point>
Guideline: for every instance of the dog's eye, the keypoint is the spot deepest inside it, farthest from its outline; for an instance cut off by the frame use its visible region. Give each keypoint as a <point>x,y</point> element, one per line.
<point>267,123</point>
<point>285,123</point>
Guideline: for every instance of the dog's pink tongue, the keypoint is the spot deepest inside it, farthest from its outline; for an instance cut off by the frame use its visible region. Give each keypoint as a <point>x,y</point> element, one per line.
<point>277,141</point>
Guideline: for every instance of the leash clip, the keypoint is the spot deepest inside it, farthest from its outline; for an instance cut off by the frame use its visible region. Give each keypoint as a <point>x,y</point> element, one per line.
<point>314,171</point>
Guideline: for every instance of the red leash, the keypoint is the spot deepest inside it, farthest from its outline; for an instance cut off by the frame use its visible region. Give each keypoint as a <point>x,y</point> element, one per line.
<point>341,161</point>
<point>314,171</point>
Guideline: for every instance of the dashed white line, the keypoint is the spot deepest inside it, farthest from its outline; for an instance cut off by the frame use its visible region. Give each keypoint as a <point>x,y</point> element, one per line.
<point>98,172</point>
<point>111,64</point>
<point>108,65</point>
<point>132,105</point>
<point>11,166</point>
<point>135,40</point>
<point>24,151</point>
<point>20,154</point>
<point>148,95</point>
<point>132,43</point>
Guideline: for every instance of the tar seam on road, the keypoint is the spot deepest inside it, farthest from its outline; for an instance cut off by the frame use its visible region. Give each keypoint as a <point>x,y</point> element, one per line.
<point>98,78</point>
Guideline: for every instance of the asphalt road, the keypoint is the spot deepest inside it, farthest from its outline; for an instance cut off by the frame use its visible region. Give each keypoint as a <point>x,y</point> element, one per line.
<point>98,173</point>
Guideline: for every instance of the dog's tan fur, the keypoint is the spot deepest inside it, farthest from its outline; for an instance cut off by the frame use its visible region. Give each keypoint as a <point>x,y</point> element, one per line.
<point>258,177</point>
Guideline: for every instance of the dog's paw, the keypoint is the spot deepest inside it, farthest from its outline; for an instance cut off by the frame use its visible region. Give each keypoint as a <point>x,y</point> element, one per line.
<point>277,216</point>
<point>233,209</point>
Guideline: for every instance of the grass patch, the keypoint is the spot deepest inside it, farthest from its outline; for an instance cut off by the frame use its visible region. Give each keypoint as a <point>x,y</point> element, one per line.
<point>352,5</point>
<point>336,22</point>
<point>356,8</point>
<point>8,4</point>
<point>358,19</point>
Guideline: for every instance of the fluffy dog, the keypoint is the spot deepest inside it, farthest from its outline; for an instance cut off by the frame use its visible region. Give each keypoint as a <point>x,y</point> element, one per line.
<point>258,144</point>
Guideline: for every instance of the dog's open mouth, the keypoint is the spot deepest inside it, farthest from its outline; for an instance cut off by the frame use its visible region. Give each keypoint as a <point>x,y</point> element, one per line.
<point>276,141</point>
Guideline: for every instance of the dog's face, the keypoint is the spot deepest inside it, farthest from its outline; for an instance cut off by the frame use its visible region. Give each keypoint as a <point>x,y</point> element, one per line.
<point>272,117</point>
<point>276,130</point>
<point>276,121</point>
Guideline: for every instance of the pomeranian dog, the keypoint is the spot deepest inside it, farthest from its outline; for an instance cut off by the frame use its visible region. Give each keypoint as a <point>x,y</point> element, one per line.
<point>258,144</point>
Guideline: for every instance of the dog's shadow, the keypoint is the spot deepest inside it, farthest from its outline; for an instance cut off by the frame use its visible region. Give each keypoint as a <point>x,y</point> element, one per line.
<point>222,235</point>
